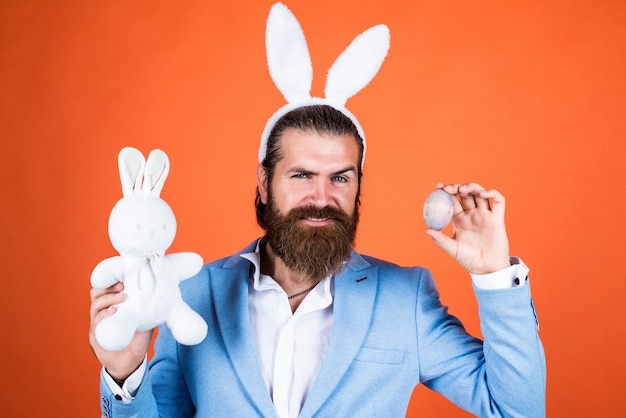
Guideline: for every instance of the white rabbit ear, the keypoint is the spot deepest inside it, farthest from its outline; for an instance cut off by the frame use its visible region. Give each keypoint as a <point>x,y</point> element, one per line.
<point>288,56</point>
<point>131,163</point>
<point>357,65</point>
<point>157,169</point>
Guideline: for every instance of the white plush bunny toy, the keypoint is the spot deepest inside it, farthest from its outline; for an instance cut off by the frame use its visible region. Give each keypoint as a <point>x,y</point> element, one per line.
<point>142,226</point>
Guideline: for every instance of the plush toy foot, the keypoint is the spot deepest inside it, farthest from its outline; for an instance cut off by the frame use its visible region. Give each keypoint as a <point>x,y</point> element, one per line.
<point>187,325</point>
<point>115,332</point>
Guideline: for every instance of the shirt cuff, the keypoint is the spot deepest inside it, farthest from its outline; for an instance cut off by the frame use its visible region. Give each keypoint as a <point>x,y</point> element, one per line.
<point>127,392</point>
<point>513,276</point>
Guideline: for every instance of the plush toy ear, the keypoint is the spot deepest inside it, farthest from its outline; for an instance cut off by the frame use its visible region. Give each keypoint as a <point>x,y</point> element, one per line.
<point>157,169</point>
<point>288,56</point>
<point>357,65</point>
<point>131,163</point>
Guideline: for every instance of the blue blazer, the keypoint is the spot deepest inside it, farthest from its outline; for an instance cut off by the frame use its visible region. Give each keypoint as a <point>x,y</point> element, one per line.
<point>390,334</point>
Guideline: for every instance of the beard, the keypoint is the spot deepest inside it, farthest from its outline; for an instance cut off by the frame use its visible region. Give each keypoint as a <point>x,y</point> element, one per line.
<point>314,252</point>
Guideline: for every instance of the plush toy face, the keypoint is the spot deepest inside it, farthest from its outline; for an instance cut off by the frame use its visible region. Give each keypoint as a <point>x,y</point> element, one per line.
<point>143,223</point>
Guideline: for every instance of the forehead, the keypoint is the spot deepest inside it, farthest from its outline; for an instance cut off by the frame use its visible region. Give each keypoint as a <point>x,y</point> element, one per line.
<point>300,147</point>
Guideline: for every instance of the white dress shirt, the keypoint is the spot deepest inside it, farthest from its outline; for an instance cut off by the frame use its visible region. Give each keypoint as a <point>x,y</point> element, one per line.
<point>290,346</point>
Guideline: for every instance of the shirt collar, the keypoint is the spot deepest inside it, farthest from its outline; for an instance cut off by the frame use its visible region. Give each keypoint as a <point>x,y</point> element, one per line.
<point>263,282</point>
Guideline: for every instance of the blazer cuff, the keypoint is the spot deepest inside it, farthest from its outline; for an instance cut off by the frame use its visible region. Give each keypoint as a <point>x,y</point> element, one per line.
<point>127,392</point>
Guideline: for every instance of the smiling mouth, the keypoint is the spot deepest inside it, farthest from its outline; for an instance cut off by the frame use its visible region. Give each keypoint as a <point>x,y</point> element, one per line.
<point>314,216</point>
<point>316,221</point>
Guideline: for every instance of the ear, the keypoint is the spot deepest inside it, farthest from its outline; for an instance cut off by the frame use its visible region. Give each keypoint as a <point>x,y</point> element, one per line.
<point>157,169</point>
<point>357,65</point>
<point>131,163</point>
<point>288,56</point>
<point>261,177</point>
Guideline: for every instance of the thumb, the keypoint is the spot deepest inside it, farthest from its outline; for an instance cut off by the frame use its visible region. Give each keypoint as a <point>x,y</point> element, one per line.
<point>443,241</point>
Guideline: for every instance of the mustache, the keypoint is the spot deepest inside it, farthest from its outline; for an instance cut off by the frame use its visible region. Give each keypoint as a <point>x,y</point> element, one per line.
<point>326,212</point>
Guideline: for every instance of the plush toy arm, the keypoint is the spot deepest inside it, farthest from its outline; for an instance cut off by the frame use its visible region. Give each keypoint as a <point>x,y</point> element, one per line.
<point>108,272</point>
<point>186,264</point>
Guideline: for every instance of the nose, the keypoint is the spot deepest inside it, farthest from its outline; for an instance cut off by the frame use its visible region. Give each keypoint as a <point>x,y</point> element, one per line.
<point>320,194</point>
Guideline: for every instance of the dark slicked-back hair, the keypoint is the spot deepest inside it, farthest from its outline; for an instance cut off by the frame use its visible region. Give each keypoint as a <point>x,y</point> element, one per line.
<point>319,119</point>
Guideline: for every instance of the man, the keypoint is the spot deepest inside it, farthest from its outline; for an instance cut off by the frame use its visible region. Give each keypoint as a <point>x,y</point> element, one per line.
<point>301,325</point>
<point>321,330</point>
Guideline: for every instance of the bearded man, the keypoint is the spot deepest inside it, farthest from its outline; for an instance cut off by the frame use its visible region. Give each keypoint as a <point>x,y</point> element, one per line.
<point>301,325</point>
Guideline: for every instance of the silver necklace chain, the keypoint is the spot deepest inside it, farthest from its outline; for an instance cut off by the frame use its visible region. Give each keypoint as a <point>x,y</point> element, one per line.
<point>304,292</point>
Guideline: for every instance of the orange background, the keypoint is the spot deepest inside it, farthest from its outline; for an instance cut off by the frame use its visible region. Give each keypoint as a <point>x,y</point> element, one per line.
<point>528,97</point>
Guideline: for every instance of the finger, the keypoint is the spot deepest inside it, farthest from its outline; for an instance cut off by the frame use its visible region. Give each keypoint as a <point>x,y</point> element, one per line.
<point>115,288</point>
<point>100,315</point>
<point>453,190</point>
<point>498,202</point>
<point>103,304</point>
<point>466,193</point>
<point>100,306</point>
<point>475,190</point>
<point>468,202</point>
<point>444,242</point>
<point>108,299</point>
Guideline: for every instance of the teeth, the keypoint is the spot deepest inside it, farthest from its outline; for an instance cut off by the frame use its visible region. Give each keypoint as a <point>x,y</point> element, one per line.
<point>317,219</point>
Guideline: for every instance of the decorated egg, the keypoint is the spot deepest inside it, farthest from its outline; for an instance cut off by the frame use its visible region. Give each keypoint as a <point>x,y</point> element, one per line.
<point>438,210</point>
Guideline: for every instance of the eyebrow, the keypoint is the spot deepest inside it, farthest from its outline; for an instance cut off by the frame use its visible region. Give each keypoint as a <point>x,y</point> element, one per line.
<point>301,170</point>
<point>345,170</point>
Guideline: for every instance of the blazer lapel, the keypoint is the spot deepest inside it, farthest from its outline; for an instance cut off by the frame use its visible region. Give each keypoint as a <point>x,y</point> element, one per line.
<point>353,304</point>
<point>230,293</point>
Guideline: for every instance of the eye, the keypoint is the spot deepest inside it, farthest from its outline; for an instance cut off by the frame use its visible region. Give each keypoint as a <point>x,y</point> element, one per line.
<point>300,176</point>
<point>340,179</point>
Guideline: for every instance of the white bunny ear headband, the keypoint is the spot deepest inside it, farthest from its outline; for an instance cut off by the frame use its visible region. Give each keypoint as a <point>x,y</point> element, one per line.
<point>141,178</point>
<point>291,70</point>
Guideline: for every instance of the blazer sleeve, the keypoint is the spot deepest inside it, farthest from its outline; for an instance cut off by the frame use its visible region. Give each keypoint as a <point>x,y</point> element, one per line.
<point>504,376</point>
<point>163,380</point>
<point>142,405</point>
